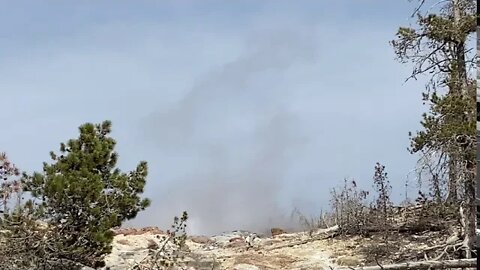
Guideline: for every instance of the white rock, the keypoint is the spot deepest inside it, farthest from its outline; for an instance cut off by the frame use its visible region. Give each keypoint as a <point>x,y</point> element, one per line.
<point>244,266</point>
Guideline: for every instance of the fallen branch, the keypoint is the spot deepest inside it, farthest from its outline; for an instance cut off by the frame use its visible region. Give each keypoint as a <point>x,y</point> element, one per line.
<point>463,263</point>
<point>319,235</point>
<point>410,228</point>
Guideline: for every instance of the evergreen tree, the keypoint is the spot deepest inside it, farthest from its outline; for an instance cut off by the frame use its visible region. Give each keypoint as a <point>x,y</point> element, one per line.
<point>438,47</point>
<point>82,195</point>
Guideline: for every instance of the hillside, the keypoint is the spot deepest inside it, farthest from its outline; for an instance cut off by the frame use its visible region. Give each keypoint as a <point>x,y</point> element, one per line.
<point>316,249</point>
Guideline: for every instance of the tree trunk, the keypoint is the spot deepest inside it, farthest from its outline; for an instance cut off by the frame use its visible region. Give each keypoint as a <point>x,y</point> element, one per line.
<point>460,83</point>
<point>465,263</point>
<point>469,213</point>
<point>452,182</point>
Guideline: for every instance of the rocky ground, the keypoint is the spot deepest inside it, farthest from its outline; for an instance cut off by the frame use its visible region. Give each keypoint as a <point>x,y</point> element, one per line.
<point>226,251</point>
<point>416,234</point>
<point>240,250</point>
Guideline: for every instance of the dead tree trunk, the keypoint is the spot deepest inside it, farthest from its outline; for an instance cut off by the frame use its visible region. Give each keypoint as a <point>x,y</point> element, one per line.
<point>465,263</point>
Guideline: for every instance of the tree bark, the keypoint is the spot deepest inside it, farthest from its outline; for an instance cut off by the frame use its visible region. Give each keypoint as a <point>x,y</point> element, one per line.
<point>468,208</point>
<point>465,263</point>
<point>452,182</point>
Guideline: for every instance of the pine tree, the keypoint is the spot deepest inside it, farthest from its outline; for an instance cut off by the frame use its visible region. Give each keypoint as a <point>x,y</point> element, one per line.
<point>438,48</point>
<point>82,194</point>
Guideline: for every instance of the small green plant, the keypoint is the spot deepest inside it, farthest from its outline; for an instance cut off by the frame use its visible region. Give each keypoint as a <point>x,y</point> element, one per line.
<point>177,236</point>
<point>172,248</point>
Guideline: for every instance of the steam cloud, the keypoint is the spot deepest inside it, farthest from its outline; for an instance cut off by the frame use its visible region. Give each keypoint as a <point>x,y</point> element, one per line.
<point>236,126</point>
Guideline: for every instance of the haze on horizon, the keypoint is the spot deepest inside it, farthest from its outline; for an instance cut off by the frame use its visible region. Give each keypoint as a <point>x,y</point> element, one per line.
<point>244,110</point>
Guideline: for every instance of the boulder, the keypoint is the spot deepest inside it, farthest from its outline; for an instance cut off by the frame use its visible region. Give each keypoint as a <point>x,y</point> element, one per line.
<point>236,242</point>
<point>277,231</point>
<point>204,240</point>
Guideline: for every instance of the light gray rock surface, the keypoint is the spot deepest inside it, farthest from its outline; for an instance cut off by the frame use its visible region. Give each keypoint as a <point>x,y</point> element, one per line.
<point>225,251</point>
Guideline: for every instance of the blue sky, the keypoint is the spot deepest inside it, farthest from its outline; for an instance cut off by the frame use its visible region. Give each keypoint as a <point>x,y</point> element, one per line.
<point>243,109</point>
